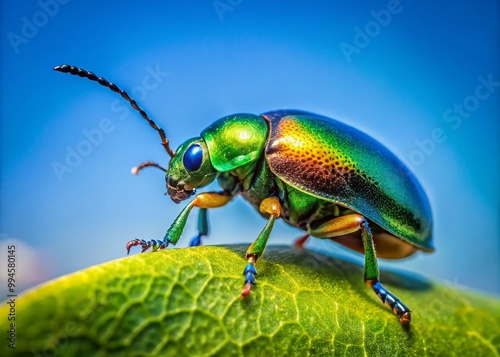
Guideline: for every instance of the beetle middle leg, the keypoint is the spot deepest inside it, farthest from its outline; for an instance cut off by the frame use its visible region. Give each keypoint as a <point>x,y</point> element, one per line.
<point>202,228</point>
<point>271,206</point>
<point>351,223</point>
<point>203,200</point>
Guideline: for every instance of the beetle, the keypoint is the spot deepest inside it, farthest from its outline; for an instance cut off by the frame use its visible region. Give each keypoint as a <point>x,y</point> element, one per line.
<point>317,174</point>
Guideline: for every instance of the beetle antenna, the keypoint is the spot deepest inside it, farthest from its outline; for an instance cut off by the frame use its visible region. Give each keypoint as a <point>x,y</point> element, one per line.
<point>84,73</point>
<point>135,170</point>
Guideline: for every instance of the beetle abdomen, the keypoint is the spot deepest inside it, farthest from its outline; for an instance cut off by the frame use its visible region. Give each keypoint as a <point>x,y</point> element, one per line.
<point>336,162</point>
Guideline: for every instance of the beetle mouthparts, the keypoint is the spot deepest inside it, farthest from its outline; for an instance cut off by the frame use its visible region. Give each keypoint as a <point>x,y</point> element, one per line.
<point>178,195</point>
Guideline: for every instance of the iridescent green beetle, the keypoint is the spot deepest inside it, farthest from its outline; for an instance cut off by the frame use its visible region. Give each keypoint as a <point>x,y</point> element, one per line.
<point>317,174</point>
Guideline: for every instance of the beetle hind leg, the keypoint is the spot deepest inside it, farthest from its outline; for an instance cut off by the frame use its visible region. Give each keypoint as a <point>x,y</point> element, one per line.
<point>351,223</point>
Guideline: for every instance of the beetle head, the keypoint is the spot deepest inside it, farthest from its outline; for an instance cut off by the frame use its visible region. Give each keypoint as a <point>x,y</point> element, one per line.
<point>189,169</point>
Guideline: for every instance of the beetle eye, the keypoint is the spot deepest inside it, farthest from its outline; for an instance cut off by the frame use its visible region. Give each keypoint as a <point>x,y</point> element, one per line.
<point>193,157</point>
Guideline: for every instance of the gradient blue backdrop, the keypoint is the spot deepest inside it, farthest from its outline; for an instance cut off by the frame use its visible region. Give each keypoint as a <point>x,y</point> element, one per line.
<point>251,56</point>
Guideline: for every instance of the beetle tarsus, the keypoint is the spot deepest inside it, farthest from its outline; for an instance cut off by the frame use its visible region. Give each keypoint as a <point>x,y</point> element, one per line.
<point>196,241</point>
<point>155,244</point>
<point>249,272</point>
<point>393,302</point>
<point>145,245</point>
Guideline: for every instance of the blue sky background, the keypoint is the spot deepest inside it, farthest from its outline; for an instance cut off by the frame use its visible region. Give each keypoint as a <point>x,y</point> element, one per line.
<point>398,86</point>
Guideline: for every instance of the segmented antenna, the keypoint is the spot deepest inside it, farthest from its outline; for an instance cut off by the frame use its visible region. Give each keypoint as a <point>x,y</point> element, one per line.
<point>84,73</point>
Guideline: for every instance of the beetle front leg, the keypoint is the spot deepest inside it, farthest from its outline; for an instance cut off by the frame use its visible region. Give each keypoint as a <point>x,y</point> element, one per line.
<point>272,206</point>
<point>349,224</point>
<point>203,200</point>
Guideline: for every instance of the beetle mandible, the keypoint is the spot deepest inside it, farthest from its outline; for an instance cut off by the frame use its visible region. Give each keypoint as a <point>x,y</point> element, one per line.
<point>317,174</point>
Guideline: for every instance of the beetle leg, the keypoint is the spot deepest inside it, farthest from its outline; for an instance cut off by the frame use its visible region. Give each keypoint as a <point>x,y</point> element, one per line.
<point>203,200</point>
<point>271,206</point>
<point>349,224</point>
<point>202,228</point>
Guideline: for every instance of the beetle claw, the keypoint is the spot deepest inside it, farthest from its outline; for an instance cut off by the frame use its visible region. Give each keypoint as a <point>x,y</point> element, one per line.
<point>405,318</point>
<point>246,290</point>
<point>132,243</point>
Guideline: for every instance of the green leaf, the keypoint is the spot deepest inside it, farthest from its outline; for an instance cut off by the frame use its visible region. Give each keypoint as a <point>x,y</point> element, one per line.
<point>186,302</point>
